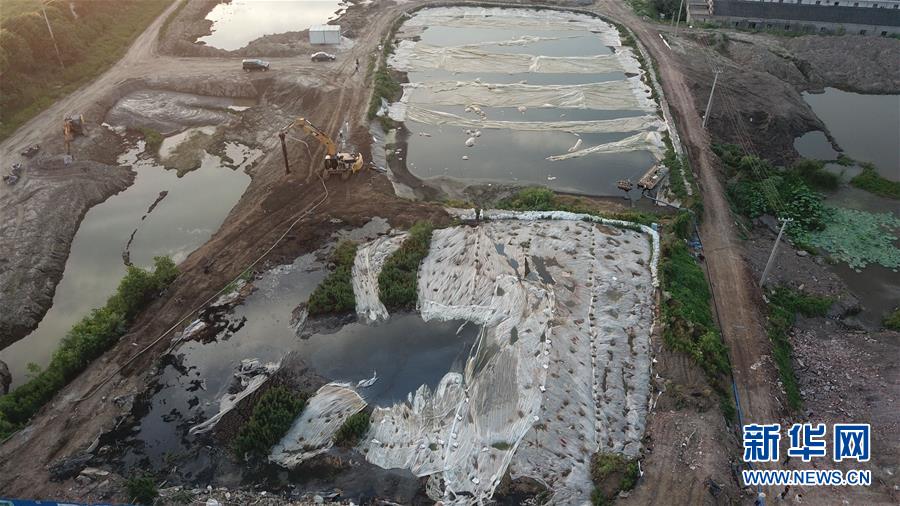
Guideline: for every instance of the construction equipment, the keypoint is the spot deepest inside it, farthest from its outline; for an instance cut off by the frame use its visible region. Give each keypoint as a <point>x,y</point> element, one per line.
<point>343,164</point>
<point>72,126</point>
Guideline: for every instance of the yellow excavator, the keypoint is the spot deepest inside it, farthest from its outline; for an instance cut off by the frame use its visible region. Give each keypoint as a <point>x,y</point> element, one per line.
<point>343,164</point>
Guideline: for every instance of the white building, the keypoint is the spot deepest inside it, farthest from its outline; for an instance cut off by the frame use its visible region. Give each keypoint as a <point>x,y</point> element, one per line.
<point>325,34</point>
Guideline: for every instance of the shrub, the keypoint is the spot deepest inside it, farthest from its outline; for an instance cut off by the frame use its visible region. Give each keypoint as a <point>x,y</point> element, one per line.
<point>872,182</point>
<point>272,416</point>
<point>612,473</point>
<point>352,430</point>
<point>96,39</point>
<point>892,319</point>
<point>398,281</point>
<point>335,293</point>
<point>86,340</point>
<point>784,304</point>
<point>142,489</point>
<point>814,174</point>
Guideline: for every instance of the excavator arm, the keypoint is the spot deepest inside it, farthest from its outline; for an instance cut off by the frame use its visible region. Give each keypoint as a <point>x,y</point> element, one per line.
<point>343,163</point>
<point>313,130</point>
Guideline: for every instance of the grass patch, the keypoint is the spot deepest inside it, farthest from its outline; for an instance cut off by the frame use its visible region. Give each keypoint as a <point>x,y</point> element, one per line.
<point>384,84</point>
<point>272,417</point>
<point>502,445</point>
<point>612,473</point>
<point>141,489</point>
<point>32,77</point>
<point>398,281</point>
<point>152,138</point>
<point>538,198</point>
<point>352,430</point>
<point>335,293</point>
<point>784,304</point>
<point>872,182</point>
<point>85,341</point>
<point>892,319</point>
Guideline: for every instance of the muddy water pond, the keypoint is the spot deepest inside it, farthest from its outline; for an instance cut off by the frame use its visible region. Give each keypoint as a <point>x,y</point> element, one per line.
<point>481,145</point>
<point>867,127</point>
<point>405,352</point>
<point>239,22</point>
<point>193,208</point>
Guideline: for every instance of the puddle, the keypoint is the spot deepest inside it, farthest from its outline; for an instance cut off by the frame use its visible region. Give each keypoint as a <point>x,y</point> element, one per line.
<point>239,22</point>
<point>815,145</point>
<point>193,209</point>
<point>867,127</point>
<point>405,352</point>
<point>551,97</point>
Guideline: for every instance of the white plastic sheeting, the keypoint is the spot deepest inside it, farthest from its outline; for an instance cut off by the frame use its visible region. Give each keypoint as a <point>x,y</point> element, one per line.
<point>623,95</point>
<point>648,141</point>
<point>313,431</point>
<point>252,376</point>
<point>562,366</point>
<point>506,18</point>
<point>631,124</point>
<point>411,55</point>
<point>367,266</point>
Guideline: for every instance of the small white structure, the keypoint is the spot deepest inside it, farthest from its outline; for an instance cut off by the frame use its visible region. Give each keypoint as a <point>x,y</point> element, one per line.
<point>325,34</point>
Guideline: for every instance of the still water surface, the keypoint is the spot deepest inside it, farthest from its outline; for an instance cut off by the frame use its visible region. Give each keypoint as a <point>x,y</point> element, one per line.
<point>237,23</point>
<point>194,208</point>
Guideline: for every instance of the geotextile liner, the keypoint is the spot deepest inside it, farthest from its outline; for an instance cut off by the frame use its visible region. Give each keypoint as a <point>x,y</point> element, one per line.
<point>623,95</point>
<point>599,126</point>
<point>412,56</point>
<point>313,431</point>
<point>509,18</point>
<point>367,266</point>
<point>561,369</point>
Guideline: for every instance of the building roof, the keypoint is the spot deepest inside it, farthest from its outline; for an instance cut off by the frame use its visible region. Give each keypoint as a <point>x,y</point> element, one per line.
<point>325,28</point>
<point>803,12</point>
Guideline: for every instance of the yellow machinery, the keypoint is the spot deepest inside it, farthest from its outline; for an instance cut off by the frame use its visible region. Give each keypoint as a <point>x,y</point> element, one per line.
<point>72,126</point>
<point>343,164</point>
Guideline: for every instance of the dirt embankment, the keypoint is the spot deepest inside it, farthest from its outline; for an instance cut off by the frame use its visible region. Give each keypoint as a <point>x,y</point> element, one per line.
<point>758,102</point>
<point>846,375</point>
<point>39,222</point>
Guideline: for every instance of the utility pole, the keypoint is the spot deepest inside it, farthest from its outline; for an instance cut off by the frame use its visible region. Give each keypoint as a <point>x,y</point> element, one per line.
<point>717,71</point>
<point>678,19</point>
<point>765,273</point>
<point>47,20</point>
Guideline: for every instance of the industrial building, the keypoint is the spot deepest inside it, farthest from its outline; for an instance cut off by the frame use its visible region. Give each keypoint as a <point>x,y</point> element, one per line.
<point>861,17</point>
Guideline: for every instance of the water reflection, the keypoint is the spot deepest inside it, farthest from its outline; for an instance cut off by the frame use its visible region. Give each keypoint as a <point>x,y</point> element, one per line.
<point>237,23</point>
<point>194,208</point>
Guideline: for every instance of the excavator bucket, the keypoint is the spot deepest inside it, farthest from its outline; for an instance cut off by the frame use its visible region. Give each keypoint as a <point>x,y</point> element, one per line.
<point>358,164</point>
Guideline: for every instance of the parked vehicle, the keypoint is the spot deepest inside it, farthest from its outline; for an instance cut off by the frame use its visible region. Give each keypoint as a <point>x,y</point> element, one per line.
<point>30,150</point>
<point>251,65</point>
<point>322,56</point>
